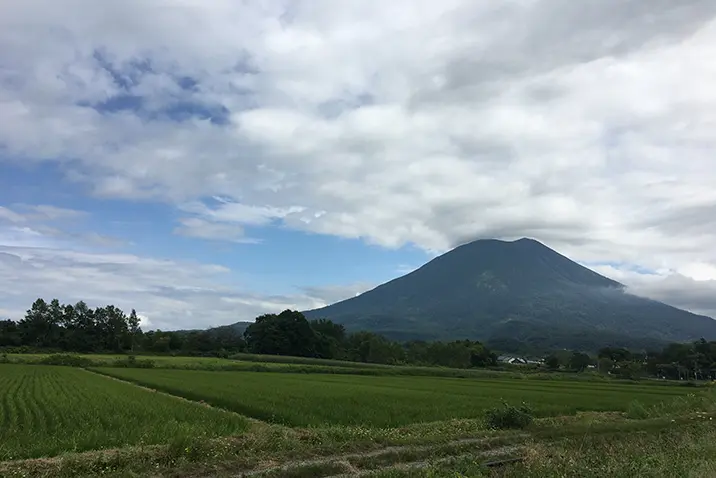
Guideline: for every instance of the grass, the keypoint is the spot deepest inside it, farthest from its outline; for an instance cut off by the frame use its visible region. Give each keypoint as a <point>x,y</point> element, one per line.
<point>387,425</point>
<point>45,411</point>
<point>281,364</point>
<point>688,451</point>
<point>436,449</point>
<point>318,400</point>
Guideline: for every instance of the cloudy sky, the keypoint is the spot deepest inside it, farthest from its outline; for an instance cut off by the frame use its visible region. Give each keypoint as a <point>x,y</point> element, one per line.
<point>205,161</point>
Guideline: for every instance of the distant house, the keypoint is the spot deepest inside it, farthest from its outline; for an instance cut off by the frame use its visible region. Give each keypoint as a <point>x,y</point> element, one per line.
<point>512,360</point>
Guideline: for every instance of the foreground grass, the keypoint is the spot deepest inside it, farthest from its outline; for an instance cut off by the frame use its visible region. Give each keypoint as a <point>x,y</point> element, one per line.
<point>430,450</point>
<point>316,400</point>
<point>688,451</point>
<point>676,441</point>
<point>47,410</point>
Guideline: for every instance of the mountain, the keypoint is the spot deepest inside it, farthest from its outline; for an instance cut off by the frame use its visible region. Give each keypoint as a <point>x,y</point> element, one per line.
<point>522,290</point>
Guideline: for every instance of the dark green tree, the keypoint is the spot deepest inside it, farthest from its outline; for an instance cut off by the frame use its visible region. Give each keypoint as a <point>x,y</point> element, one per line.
<point>288,333</point>
<point>552,362</point>
<point>133,329</point>
<point>579,361</point>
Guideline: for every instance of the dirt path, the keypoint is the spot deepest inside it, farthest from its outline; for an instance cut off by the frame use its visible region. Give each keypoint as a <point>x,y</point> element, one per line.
<point>398,457</point>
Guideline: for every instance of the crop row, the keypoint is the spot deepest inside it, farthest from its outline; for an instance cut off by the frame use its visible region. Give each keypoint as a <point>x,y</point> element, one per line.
<point>46,410</point>
<point>319,399</point>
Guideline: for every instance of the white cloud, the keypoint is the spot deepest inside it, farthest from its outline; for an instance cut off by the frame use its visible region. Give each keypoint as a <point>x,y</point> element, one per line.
<point>166,294</point>
<point>225,221</point>
<point>668,286</point>
<point>196,227</point>
<point>336,293</point>
<point>587,125</point>
<point>23,213</point>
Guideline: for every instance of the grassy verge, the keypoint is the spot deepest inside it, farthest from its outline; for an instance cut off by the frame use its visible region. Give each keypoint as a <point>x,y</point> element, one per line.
<point>688,451</point>
<point>588,444</point>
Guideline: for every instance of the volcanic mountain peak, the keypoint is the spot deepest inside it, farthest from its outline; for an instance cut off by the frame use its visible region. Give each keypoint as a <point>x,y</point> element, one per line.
<point>488,288</point>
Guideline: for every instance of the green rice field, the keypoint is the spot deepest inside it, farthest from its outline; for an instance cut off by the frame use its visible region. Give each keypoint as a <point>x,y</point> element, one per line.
<point>376,401</point>
<point>47,410</point>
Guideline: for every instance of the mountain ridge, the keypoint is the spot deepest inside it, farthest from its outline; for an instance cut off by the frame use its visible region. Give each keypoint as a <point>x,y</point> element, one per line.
<point>477,288</point>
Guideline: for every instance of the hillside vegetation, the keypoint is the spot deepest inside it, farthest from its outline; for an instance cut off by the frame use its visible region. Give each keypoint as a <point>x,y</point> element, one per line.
<point>490,290</point>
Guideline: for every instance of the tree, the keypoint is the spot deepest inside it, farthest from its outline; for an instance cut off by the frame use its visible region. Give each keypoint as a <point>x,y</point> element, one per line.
<point>288,333</point>
<point>329,329</point>
<point>616,354</point>
<point>552,362</point>
<point>133,328</point>
<point>579,361</point>
<point>36,327</point>
<point>630,370</point>
<point>329,338</point>
<point>481,356</point>
<point>605,365</point>
<point>9,334</point>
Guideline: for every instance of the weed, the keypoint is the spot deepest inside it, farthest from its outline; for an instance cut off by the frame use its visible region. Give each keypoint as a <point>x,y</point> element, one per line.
<point>637,411</point>
<point>509,417</point>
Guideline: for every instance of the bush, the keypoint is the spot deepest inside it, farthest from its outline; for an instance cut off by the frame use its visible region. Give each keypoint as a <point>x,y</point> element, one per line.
<point>509,417</point>
<point>637,411</point>
<point>132,362</point>
<point>67,360</point>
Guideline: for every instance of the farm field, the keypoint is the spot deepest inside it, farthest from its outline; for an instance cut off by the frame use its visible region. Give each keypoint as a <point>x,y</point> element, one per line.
<point>159,360</point>
<point>47,410</point>
<point>320,399</point>
<point>239,362</point>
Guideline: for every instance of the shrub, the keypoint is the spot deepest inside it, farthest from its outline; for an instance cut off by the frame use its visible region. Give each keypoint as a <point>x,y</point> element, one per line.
<point>509,417</point>
<point>637,411</point>
<point>67,360</point>
<point>132,362</point>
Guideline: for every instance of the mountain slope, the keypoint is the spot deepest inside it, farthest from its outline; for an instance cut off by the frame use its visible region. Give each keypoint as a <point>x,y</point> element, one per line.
<point>490,288</point>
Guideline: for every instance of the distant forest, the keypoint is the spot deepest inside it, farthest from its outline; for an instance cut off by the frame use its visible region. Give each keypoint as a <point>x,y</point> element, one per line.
<point>77,328</point>
<point>58,327</point>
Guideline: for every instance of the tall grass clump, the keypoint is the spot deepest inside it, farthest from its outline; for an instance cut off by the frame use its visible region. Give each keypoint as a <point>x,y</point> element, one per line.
<point>509,416</point>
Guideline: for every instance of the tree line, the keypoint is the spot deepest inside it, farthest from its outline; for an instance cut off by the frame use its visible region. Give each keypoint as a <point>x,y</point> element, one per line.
<point>676,361</point>
<point>79,328</point>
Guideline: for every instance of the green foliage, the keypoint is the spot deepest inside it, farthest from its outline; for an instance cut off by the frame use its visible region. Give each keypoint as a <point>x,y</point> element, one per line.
<point>287,333</point>
<point>579,361</point>
<point>132,362</point>
<point>605,365</point>
<point>315,400</point>
<point>683,451</point>
<point>615,354</point>
<point>637,411</point>
<point>67,360</point>
<point>509,417</point>
<point>455,354</point>
<point>77,328</point>
<point>45,411</point>
<point>552,362</point>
